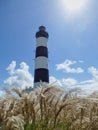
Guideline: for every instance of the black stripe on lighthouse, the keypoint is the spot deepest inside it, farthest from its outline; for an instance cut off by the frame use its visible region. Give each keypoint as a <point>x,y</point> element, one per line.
<point>42,51</point>
<point>41,73</point>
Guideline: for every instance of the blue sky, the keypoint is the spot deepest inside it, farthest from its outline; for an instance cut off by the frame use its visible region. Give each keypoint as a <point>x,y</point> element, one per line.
<point>73,41</point>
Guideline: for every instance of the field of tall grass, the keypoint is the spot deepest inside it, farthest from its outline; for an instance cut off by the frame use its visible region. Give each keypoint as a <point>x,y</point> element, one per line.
<point>48,108</point>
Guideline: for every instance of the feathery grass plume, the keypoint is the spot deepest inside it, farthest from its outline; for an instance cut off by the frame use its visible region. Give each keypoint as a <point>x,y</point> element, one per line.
<point>48,108</point>
<point>15,123</point>
<point>17,91</point>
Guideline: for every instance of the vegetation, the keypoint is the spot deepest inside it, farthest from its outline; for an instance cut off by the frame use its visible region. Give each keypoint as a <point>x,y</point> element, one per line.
<point>48,108</point>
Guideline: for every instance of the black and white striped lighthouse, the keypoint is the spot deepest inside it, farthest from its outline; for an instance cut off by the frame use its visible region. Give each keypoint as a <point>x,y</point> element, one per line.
<point>41,72</point>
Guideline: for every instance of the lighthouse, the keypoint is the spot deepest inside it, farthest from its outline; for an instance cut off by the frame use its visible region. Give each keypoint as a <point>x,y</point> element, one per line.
<point>41,72</point>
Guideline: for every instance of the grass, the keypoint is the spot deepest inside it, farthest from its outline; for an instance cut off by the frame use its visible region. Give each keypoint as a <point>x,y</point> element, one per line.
<point>48,108</point>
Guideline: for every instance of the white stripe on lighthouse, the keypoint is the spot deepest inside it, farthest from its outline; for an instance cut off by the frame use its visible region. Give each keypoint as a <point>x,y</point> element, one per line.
<point>41,41</point>
<point>41,62</point>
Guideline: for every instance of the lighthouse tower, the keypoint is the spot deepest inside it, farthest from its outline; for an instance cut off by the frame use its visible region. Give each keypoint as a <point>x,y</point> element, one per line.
<point>41,72</point>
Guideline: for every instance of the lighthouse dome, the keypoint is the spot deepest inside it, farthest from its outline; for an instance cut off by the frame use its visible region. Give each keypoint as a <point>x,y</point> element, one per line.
<point>42,28</point>
<point>42,32</point>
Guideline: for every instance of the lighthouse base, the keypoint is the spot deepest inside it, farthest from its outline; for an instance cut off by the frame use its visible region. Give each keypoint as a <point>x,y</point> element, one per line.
<point>40,84</point>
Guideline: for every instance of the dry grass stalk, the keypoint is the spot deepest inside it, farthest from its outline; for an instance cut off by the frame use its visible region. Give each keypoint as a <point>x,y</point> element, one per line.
<point>48,108</point>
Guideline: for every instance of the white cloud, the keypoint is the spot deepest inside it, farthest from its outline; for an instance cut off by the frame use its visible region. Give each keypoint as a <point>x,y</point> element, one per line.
<point>66,66</point>
<point>87,86</point>
<point>22,78</point>
<point>69,82</point>
<point>92,84</point>
<point>19,77</point>
<point>54,81</point>
<point>2,93</point>
<point>92,70</point>
<point>11,67</point>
